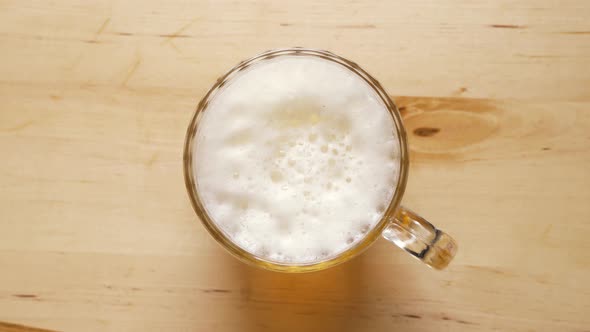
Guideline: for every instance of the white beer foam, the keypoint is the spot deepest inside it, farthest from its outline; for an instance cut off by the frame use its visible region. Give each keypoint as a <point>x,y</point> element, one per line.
<point>296,159</point>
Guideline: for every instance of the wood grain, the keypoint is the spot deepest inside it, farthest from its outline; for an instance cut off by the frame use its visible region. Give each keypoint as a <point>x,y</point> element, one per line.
<point>9,327</point>
<point>97,233</point>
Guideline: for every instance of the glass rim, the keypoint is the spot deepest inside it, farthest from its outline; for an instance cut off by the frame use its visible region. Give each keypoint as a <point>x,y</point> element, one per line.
<point>224,240</point>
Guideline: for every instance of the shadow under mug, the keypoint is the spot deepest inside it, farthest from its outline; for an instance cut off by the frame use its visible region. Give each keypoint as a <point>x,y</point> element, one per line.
<point>399,225</point>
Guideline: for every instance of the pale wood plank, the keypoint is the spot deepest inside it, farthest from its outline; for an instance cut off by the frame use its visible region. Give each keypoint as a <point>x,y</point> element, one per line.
<point>96,231</point>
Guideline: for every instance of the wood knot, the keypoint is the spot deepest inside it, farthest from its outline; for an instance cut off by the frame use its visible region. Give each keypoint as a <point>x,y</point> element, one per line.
<point>426,131</point>
<point>456,123</point>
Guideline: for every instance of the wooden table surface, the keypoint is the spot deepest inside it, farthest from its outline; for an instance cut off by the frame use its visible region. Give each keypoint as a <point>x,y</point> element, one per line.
<point>96,229</point>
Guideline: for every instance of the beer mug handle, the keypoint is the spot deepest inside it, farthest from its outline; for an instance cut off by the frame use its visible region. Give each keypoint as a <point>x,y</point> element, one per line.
<point>420,238</point>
